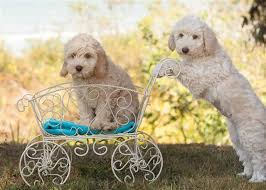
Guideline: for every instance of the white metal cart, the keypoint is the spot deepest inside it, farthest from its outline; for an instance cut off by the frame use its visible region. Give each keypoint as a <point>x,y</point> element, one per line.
<point>48,158</point>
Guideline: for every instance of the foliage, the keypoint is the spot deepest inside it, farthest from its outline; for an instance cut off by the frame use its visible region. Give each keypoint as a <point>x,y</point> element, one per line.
<point>7,63</point>
<point>173,115</point>
<point>257,18</point>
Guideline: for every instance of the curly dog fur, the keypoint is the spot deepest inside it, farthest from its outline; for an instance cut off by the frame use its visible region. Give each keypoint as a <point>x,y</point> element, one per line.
<point>87,62</point>
<point>207,71</point>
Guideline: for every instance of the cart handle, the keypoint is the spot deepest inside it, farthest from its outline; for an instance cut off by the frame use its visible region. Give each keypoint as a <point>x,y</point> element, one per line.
<point>156,74</point>
<point>24,102</point>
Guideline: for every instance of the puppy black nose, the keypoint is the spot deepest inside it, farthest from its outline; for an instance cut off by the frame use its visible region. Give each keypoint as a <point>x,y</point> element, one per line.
<point>185,50</point>
<point>79,68</point>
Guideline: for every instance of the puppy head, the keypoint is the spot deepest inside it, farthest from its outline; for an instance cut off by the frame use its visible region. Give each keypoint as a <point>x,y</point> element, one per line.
<point>84,57</point>
<point>191,37</point>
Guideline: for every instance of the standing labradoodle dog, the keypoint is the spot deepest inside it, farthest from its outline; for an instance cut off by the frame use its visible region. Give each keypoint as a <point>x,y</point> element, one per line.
<point>101,108</point>
<point>207,71</point>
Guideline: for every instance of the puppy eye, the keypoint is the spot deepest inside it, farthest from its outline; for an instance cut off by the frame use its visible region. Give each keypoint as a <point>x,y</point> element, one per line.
<point>87,56</point>
<point>195,37</point>
<point>180,35</point>
<point>73,55</point>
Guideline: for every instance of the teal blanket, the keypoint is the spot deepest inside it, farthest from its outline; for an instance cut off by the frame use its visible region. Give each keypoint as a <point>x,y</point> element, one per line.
<point>61,127</point>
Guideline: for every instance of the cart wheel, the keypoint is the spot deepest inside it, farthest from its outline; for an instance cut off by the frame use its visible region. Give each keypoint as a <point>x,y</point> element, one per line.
<point>44,161</point>
<point>137,157</point>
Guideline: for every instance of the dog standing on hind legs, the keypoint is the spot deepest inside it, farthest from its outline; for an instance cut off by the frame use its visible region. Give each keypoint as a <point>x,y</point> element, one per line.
<point>207,71</point>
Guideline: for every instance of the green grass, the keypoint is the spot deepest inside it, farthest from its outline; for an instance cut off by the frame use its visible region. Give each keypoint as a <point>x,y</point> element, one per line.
<point>194,166</point>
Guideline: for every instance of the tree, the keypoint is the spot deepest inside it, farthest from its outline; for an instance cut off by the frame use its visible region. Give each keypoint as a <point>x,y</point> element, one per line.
<point>257,19</point>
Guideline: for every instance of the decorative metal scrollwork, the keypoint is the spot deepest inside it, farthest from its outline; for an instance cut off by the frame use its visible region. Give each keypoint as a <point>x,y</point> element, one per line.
<point>115,105</point>
<point>81,148</point>
<point>135,152</point>
<point>136,156</point>
<point>44,161</point>
<point>24,102</point>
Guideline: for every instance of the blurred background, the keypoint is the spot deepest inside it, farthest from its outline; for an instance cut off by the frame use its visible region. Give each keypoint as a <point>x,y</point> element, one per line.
<point>134,34</point>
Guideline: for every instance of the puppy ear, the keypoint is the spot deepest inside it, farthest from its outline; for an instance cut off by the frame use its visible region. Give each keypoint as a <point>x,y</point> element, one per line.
<point>63,71</point>
<point>171,42</point>
<point>101,65</point>
<point>209,41</point>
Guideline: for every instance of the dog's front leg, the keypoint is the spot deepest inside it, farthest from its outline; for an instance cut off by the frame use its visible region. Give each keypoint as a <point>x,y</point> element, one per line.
<point>168,67</point>
<point>86,113</point>
<point>103,118</point>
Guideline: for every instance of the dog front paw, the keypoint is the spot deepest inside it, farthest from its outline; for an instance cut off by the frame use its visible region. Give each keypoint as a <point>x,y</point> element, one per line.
<point>96,125</point>
<point>257,178</point>
<point>102,125</point>
<point>243,174</point>
<point>109,126</point>
<point>167,67</point>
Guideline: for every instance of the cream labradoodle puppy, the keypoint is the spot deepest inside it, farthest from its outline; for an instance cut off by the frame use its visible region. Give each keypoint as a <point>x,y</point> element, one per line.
<point>207,71</point>
<point>101,108</point>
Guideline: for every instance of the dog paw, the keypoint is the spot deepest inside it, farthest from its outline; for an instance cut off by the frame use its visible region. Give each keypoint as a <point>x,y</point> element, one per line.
<point>101,125</point>
<point>96,125</point>
<point>257,179</point>
<point>109,126</point>
<point>243,174</point>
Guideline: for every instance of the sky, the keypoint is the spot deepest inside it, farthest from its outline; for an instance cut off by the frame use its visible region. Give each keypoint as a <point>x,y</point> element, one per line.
<point>24,20</point>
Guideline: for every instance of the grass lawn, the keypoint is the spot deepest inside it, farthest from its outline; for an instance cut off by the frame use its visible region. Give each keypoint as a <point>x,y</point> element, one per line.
<point>194,166</point>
